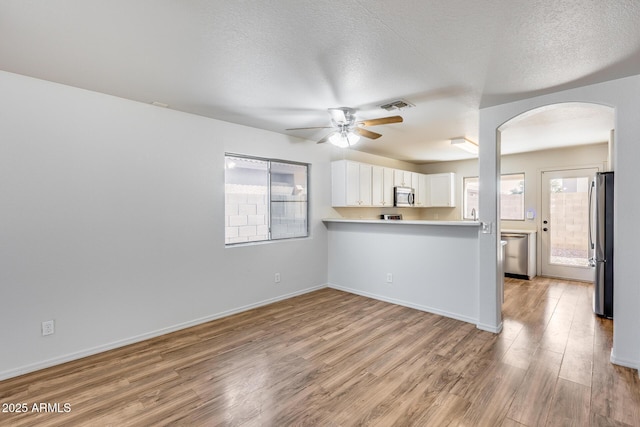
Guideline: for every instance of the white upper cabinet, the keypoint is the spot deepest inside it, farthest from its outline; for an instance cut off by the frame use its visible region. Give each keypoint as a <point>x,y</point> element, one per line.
<point>401,178</point>
<point>381,186</point>
<point>419,183</point>
<point>441,190</point>
<point>350,183</point>
<point>361,184</point>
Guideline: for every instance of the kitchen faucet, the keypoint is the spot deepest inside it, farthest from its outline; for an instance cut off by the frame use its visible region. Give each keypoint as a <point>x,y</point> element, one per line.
<point>474,214</point>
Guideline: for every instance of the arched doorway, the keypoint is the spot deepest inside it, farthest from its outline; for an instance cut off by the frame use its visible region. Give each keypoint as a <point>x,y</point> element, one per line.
<point>622,96</point>
<point>558,148</point>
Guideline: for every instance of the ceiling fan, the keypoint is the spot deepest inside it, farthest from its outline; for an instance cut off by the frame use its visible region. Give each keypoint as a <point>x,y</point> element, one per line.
<point>347,130</point>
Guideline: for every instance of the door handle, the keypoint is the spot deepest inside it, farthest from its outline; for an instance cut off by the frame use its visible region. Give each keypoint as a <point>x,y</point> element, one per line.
<point>593,184</point>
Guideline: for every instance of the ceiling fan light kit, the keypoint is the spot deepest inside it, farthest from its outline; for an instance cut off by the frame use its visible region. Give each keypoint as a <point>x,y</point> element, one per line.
<point>344,139</point>
<point>465,144</point>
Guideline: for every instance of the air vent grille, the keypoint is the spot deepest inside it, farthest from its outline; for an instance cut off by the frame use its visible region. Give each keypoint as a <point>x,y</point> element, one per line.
<point>400,104</point>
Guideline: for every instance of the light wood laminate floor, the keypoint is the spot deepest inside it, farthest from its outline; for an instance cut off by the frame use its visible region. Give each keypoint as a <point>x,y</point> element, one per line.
<point>330,358</point>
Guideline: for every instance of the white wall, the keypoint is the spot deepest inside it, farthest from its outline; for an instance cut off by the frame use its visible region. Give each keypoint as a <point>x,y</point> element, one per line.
<point>113,222</point>
<point>623,95</point>
<point>434,267</point>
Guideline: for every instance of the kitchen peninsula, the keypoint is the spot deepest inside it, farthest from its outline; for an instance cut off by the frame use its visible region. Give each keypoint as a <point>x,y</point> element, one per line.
<point>427,265</point>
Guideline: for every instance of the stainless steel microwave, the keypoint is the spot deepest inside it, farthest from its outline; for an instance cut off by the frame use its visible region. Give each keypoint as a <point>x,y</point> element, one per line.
<point>403,197</point>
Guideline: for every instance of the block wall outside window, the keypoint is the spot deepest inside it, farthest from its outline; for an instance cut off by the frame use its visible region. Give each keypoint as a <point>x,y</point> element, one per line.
<point>245,213</point>
<point>511,196</point>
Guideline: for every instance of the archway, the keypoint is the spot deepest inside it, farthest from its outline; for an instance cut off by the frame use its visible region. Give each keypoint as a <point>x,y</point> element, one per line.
<point>556,215</point>
<point>617,94</point>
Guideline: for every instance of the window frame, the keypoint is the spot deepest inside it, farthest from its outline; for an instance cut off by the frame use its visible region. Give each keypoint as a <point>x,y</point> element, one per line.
<point>269,200</point>
<point>464,196</point>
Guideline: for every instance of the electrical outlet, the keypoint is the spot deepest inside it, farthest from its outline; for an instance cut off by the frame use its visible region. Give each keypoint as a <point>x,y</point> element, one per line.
<point>48,327</point>
<point>389,278</point>
<point>277,278</point>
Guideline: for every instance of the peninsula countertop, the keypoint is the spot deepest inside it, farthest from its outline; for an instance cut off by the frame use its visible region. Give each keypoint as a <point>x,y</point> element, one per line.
<point>403,221</point>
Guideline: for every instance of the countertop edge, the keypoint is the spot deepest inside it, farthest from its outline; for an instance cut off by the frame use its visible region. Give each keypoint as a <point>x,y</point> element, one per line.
<point>403,221</point>
<point>511,230</point>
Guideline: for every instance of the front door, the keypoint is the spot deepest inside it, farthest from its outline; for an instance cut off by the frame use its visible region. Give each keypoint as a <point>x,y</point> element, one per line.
<point>564,230</point>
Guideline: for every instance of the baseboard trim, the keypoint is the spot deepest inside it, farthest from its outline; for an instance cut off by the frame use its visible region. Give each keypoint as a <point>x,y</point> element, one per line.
<point>404,303</point>
<point>633,364</point>
<point>11,373</point>
<point>490,328</point>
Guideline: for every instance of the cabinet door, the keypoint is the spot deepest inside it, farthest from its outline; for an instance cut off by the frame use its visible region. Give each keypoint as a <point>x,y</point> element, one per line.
<point>382,186</point>
<point>353,184</point>
<point>387,187</point>
<point>419,182</point>
<point>401,178</point>
<point>398,178</point>
<point>365,184</point>
<point>377,185</point>
<point>440,188</point>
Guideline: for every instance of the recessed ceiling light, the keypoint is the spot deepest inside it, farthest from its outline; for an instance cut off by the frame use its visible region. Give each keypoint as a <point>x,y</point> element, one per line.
<point>159,104</point>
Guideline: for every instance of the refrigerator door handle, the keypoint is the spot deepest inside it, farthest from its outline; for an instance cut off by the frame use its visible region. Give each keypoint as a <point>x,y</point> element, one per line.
<point>593,183</point>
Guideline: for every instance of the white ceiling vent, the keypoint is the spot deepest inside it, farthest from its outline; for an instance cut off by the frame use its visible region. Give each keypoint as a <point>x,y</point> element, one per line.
<point>400,104</point>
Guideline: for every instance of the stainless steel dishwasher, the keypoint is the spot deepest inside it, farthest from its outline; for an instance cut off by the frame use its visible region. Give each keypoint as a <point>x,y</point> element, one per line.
<point>517,254</point>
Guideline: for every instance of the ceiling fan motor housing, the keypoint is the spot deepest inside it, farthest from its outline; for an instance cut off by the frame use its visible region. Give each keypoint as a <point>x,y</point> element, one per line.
<point>343,116</point>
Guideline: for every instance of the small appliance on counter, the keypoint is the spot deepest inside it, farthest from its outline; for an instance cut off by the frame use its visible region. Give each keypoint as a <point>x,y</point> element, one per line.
<point>403,197</point>
<point>393,217</point>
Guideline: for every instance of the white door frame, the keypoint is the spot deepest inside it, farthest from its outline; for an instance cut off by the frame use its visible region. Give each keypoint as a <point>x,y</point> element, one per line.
<point>571,273</point>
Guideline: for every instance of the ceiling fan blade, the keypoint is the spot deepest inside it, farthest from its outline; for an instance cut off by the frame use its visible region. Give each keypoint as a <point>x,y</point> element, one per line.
<point>381,121</point>
<point>367,133</point>
<point>315,127</point>
<point>325,139</point>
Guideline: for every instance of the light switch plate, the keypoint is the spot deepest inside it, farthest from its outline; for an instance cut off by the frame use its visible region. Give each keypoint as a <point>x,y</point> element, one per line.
<point>486,228</point>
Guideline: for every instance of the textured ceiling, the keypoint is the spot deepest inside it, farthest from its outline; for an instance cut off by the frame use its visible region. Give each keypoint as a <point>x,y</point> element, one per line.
<point>281,64</point>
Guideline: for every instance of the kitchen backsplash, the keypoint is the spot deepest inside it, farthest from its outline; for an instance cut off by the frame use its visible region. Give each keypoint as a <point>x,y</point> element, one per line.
<point>443,214</point>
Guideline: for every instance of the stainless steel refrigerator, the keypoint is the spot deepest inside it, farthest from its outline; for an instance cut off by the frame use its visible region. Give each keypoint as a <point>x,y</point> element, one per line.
<point>601,241</point>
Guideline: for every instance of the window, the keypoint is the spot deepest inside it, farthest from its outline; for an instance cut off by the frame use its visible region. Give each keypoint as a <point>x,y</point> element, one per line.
<point>264,199</point>
<point>470,194</point>
<point>511,197</point>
